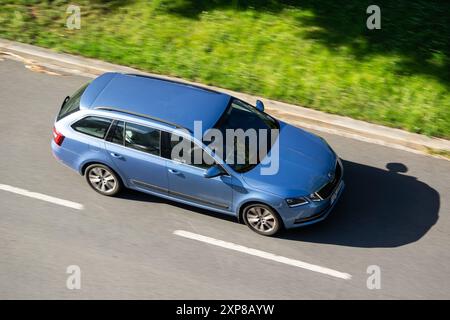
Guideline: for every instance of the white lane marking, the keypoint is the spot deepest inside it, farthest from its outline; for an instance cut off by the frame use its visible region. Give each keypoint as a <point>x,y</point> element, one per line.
<point>43,197</point>
<point>263,254</point>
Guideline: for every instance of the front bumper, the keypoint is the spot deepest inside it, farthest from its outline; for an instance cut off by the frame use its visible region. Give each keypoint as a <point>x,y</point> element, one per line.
<point>307,215</point>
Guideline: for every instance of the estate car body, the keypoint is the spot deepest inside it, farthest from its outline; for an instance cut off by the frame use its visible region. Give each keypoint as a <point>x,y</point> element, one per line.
<point>117,131</point>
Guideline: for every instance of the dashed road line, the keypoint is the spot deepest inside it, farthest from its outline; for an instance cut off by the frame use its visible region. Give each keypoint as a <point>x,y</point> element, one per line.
<point>43,197</point>
<point>263,254</point>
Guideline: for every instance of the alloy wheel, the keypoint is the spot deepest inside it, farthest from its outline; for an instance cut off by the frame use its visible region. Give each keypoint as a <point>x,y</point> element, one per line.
<point>262,220</point>
<point>102,180</point>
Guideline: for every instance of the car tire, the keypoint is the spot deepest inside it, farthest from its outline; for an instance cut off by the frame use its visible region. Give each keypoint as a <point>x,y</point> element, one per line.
<point>103,179</point>
<point>262,219</point>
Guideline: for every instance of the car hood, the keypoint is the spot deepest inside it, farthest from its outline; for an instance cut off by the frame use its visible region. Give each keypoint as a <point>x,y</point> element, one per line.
<point>305,160</point>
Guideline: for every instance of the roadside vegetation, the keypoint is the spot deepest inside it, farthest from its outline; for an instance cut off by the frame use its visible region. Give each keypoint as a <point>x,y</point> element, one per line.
<point>317,54</point>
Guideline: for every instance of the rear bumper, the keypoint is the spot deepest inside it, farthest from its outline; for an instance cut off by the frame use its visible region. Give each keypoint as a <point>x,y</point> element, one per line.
<point>62,155</point>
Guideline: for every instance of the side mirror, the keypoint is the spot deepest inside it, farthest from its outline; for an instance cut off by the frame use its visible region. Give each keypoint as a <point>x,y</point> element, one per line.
<point>214,171</point>
<point>260,105</point>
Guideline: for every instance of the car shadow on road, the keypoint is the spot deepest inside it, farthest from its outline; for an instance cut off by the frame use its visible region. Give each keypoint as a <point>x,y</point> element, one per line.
<point>379,208</point>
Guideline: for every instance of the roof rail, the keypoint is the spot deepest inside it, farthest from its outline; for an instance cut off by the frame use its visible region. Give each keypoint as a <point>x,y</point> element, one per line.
<point>177,126</point>
<point>174,81</point>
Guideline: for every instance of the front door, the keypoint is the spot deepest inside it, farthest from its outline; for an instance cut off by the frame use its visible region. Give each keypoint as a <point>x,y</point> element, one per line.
<point>187,182</point>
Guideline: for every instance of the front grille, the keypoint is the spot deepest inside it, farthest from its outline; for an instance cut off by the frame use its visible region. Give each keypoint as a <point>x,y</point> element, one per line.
<point>328,189</point>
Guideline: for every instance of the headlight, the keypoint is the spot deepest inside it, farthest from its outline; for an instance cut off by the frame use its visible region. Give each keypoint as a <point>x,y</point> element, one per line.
<point>315,197</point>
<point>295,202</point>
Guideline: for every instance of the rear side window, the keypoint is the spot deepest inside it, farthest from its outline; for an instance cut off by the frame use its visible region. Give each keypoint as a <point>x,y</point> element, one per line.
<point>72,105</point>
<point>142,138</point>
<point>93,126</point>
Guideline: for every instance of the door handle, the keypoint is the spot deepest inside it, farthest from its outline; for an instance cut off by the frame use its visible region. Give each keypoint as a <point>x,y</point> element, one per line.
<point>174,171</point>
<point>115,155</point>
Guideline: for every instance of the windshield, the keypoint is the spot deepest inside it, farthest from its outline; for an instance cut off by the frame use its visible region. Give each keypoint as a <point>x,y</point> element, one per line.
<point>260,128</point>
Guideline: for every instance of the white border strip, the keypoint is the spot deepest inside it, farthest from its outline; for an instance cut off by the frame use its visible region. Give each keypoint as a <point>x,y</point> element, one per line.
<point>42,197</point>
<point>263,254</point>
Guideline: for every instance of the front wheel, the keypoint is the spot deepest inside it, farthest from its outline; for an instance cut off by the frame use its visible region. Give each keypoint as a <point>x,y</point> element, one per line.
<point>103,180</point>
<point>262,219</point>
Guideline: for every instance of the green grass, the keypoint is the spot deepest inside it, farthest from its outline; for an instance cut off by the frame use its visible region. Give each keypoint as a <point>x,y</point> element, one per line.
<point>318,54</point>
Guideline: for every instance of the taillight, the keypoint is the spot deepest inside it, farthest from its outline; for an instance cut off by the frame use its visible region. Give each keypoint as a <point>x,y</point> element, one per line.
<point>57,137</point>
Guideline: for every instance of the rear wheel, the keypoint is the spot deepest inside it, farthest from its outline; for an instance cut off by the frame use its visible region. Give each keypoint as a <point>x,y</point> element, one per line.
<point>103,180</point>
<point>262,219</point>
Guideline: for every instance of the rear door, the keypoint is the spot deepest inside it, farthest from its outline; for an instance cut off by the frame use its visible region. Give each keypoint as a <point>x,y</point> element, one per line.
<point>136,151</point>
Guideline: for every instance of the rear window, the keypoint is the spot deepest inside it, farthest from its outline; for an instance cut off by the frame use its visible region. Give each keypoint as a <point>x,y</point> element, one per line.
<point>93,126</point>
<point>73,104</point>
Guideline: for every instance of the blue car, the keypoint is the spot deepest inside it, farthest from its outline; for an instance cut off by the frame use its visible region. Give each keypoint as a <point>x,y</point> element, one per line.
<point>122,130</point>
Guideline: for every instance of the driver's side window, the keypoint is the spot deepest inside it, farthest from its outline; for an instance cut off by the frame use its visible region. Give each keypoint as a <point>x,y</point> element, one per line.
<point>186,151</point>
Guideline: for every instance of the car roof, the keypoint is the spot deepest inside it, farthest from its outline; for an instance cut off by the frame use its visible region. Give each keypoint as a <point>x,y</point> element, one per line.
<point>166,100</point>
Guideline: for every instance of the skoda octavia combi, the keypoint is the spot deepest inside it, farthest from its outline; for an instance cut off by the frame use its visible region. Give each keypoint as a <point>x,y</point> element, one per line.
<point>121,131</point>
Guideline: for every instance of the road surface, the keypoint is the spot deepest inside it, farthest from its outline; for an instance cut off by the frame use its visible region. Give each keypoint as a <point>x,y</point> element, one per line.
<point>394,214</point>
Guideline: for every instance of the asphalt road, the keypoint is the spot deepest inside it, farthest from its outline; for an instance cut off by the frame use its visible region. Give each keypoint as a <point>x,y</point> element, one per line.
<point>393,214</point>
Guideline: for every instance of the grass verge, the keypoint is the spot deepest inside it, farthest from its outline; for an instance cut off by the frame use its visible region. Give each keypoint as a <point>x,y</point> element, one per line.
<point>317,54</point>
